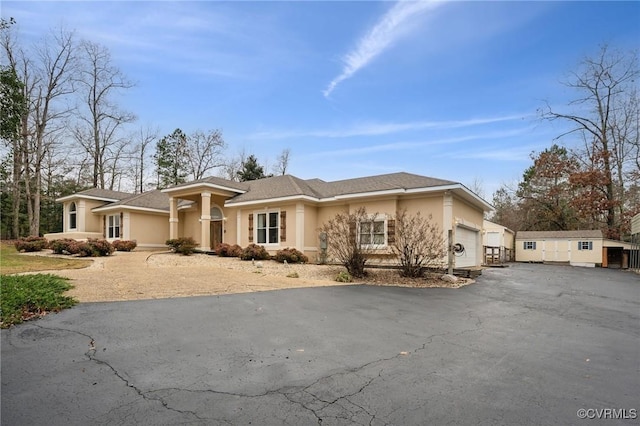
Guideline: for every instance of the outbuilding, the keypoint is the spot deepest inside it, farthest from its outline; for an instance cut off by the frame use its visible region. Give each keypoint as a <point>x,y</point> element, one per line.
<point>577,248</point>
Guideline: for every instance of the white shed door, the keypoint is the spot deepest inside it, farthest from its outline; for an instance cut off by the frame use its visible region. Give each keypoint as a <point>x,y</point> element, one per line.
<point>493,239</point>
<point>469,239</point>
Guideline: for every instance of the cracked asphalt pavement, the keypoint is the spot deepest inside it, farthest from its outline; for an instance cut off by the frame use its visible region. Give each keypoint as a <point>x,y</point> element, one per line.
<point>528,344</point>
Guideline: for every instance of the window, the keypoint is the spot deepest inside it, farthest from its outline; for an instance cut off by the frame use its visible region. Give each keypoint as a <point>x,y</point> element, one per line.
<point>585,245</point>
<point>268,228</point>
<point>529,245</point>
<point>372,233</point>
<point>113,228</point>
<point>72,216</point>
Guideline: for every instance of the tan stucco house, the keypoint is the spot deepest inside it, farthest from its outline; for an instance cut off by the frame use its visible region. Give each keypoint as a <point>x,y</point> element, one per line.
<point>577,248</point>
<point>276,212</point>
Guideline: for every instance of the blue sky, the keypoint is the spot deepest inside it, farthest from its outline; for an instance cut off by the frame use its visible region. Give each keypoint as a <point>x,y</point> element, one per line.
<point>442,89</point>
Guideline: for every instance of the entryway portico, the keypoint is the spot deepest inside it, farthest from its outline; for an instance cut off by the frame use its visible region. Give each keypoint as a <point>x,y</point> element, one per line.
<point>203,199</point>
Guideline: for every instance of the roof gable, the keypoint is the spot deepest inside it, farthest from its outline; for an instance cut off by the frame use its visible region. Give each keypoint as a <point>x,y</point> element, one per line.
<point>98,194</point>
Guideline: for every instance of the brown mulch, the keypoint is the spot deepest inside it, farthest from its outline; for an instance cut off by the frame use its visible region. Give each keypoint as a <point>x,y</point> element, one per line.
<point>152,275</point>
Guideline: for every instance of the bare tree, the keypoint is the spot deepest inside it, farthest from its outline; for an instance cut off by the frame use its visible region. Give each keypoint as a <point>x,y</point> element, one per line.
<point>418,242</point>
<point>282,163</point>
<point>607,121</point>
<point>100,118</point>
<point>144,137</point>
<point>232,166</point>
<point>344,243</point>
<point>46,72</point>
<point>204,152</point>
<point>477,186</point>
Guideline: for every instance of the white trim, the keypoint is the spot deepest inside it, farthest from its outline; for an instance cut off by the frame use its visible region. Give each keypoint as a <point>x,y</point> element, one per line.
<point>398,191</point>
<point>310,249</point>
<point>118,207</point>
<point>270,200</point>
<point>376,218</point>
<point>108,227</point>
<point>255,226</point>
<point>200,184</point>
<point>68,217</point>
<point>88,197</point>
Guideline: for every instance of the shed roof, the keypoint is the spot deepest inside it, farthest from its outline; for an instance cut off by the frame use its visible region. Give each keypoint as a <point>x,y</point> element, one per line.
<point>535,235</point>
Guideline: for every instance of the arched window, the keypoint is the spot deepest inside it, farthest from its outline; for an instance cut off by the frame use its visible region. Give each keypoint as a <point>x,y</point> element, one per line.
<point>216,213</point>
<point>72,216</point>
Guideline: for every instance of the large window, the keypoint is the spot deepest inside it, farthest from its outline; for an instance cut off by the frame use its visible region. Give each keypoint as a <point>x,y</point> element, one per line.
<point>372,233</point>
<point>113,226</point>
<point>585,245</point>
<point>268,228</point>
<point>73,216</point>
<point>529,245</point>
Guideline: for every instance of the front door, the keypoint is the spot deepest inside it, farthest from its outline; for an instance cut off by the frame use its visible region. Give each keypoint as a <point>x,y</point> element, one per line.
<point>216,233</point>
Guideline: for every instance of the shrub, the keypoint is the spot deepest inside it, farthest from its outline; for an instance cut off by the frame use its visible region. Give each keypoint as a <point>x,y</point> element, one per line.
<point>344,277</point>
<point>64,246</point>
<point>293,275</point>
<point>184,245</point>
<point>227,250</point>
<point>418,243</point>
<point>124,245</point>
<point>255,252</point>
<point>31,244</point>
<point>93,248</point>
<point>344,245</point>
<point>28,296</point>
<point>291,255</point>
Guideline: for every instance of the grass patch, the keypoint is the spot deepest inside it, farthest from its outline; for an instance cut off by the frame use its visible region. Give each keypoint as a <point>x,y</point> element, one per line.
<point>28,296</point>
<point>12,262</point>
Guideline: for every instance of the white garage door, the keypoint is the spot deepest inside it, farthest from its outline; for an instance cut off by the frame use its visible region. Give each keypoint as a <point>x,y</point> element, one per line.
<point>469,239</point>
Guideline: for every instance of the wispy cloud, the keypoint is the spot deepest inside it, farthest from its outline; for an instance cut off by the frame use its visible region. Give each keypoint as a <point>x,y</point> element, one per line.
<point>378,129</point>
<point>415,145</point>
<point>380,37</point>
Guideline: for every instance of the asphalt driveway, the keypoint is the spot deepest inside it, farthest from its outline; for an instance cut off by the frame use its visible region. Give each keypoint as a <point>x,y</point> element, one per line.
<point>529,344</point>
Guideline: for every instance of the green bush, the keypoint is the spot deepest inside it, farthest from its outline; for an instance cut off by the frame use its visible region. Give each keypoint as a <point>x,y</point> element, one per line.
<point>31,244</point>
<point>124,245</point>
<point>28,296</point>
<point>291,255</point>
<point>344,277</point>
<point>255,252</point>
<point>184,245</point>
<point>227,250</point>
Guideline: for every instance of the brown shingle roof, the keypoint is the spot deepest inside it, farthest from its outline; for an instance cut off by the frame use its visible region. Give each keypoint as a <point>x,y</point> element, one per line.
<point>558,234</point>
<point>287,186</point>
<point>104,194</point>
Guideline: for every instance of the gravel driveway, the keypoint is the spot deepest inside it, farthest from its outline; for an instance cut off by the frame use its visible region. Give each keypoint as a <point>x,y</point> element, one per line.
<point>141,275</point>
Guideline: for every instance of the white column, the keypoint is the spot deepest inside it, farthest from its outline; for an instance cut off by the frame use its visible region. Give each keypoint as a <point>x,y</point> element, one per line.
<point>300,226</point>
<point>447,227</point>
<point>80,216</point>
<point>126,226</point>
<point>205,221</point>
<point>173,218</point>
